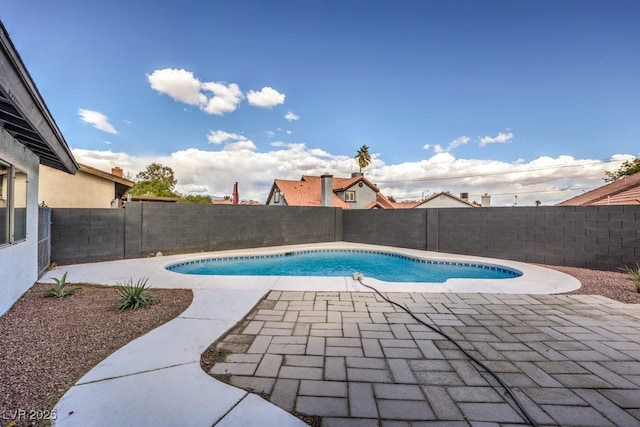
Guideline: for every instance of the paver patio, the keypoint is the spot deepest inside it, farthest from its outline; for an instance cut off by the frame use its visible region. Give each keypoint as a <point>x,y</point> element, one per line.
<point>350,358</point>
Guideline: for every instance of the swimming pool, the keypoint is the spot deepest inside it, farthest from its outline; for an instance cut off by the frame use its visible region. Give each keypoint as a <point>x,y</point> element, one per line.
<point>385,266</point>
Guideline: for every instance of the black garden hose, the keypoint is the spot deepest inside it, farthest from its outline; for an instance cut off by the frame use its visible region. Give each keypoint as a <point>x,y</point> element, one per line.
<point>524,412</point>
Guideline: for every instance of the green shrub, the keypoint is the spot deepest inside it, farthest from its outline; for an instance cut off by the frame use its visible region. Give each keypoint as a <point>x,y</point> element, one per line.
<point>133,296</point>
<point>61,289</point>
<point>634,275</point>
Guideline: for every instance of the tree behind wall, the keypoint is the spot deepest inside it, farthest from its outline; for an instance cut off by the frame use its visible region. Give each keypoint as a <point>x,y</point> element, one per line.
<point>363,157</point>
<point>628,167</point>
<point>156,180</point>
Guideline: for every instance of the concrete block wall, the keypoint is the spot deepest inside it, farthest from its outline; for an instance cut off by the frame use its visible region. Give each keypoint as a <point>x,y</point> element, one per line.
<point>596,237</point>
<point>185,228</point>
<point>605,237</point>
<point>402,228</point>
<point>87,235</point>
<point>143,229</point>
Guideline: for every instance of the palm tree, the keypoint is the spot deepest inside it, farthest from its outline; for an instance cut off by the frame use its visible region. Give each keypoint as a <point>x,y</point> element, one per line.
<point>363,157</point>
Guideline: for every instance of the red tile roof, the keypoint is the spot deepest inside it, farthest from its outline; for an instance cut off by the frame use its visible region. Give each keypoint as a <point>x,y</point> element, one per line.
<point>625,191</point>
<point>307,191</point>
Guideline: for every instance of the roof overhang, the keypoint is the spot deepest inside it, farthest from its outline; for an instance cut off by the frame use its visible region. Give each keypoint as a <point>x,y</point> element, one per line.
<point>23,113</point>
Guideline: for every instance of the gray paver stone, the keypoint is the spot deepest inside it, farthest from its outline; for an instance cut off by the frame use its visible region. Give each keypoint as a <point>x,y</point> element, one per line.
<point>492,412</point>
<point>270,365</point>
<point>323,406</point>
<point>284,393</point>
<point>362,401</point>
<point>398,392</point>
<point>323,388</point>
<point>405,410</point>
<point>401,371</point>
<point>334,369</point>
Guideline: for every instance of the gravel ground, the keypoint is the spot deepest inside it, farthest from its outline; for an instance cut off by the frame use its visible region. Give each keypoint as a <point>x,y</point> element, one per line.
<point>47,344</point>
<point>611,284</point>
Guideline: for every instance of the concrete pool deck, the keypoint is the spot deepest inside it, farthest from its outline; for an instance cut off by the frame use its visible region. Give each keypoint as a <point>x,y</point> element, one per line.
<point>157,379</point>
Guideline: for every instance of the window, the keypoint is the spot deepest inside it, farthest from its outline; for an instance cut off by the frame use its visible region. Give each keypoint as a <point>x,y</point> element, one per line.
<point>349,196</point>
<point>4,207</point>
<point>13,204</point>
<point>276,196</point>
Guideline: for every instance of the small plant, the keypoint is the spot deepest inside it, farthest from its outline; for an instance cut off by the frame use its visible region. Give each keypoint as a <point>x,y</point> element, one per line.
<point>133,296</point>
<point>61,289</point>
<point>634,275</point>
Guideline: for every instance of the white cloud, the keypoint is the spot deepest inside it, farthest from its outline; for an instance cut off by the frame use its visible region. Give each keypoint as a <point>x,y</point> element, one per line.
<point>548,179</point>
<point>225,98</point>
<point>437,148</point>
<point>291,116</point>
<point>269,133</point>
<point>267,97</point>
<point>289,132</point>
<point>97,119</point>
<point>183,86</point>
<point>242,145</point>
<point>501,138</point>
<point>180,85</point>
<point>220,136</point>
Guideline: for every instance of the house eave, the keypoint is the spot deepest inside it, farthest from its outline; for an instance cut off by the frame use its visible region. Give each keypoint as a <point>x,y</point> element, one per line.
<point>24,114</point>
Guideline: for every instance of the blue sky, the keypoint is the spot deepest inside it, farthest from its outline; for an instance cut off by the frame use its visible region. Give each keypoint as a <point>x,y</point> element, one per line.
<point>448,95</point>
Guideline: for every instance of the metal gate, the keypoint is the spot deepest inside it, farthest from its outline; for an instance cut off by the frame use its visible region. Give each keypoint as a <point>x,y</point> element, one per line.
<point>44,239</point>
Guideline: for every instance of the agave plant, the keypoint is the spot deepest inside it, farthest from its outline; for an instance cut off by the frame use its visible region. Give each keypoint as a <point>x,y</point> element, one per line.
<point>134,295</point>
<point>634,275</point>
<point>61,289</point>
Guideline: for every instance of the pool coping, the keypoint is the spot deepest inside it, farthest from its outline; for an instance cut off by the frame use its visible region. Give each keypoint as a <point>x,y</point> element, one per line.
<point>534,280</point>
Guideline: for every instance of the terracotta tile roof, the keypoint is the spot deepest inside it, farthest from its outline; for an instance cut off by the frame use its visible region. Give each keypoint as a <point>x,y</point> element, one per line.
<point>625,191</point>
<point>307,191</point>
<point>406,205</point>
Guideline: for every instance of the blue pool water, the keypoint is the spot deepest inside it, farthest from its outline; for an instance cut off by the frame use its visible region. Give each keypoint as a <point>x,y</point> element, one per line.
<point>384,266</point>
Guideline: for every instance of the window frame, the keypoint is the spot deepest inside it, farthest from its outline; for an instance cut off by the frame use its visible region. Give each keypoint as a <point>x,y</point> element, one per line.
<point>350,196</point>
<point>9,194</point>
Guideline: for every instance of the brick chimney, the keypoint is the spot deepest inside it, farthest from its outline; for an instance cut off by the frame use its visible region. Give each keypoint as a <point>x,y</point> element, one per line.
<point>326,195</point>
<point>116,171</point>
<point>486,200</point>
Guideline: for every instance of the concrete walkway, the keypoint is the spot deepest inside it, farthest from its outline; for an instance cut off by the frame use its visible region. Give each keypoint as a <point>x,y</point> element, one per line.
<point>157,379</point>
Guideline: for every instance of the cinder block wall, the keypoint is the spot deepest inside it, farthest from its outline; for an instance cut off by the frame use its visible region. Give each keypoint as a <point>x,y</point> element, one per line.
<point>142,229</point>
<point>597,237</point>
<point>605,237</point>
<point>405,228</point>
<point>87,235</point>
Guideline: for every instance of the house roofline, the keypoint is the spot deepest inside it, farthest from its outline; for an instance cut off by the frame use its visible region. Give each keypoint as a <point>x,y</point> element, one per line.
<point>106,175</point>
<point>17,88</point>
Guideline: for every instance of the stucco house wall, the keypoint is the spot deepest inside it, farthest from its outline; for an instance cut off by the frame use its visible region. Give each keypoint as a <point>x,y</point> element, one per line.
<point>61,190</point>
<point>364,196</point>
<point>19,261</point>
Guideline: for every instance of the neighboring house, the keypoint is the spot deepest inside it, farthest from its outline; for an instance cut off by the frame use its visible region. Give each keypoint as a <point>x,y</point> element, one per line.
<point>28,137</point>
<point>356,192</point>
<point>160,199</point>
<point>625,191</point>
<point>230,202</point>
<point>89,188</point>
<point>446,200</point>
